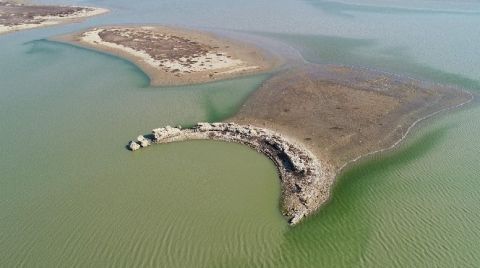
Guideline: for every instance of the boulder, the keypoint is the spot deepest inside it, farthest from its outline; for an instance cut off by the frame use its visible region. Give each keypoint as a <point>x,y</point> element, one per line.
<point>143,141</point>
<point>133,146</point>
<point>203,127</point>
<point>165,132</point>
<point>295,219</point>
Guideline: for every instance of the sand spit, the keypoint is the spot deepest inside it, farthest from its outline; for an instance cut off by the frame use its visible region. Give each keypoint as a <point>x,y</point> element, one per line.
<point>16,16</point>
<point>312,121</point>
<point>172,56</point>
<point>305,182</point>
<point>341,113</point>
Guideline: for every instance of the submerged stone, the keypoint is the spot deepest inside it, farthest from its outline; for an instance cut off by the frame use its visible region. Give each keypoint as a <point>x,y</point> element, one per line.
<point>133,146</point>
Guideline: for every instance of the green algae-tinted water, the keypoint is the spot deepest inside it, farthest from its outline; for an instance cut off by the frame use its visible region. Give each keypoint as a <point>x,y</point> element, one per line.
<point>72,195</point>
<point>415,207</point>
<point>178,205</point>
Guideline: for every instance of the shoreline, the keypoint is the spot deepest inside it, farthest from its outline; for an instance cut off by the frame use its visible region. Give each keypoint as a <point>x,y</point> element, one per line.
<point>303,192</point>
<point>305,181</point>
<point>333,116</point>
<point>336,114</point>
<point>342,114</point>
<point>407,133</point>
<point>75,14</point>
<point>172,56</point>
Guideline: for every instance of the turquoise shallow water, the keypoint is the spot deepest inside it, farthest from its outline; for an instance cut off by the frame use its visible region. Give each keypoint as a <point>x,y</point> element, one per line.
<point>71,195</point>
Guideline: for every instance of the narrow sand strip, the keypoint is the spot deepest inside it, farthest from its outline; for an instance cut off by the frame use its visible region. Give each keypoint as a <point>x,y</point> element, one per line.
<point>54,20</point>
<point>209,61</point>
<point>172,56</point>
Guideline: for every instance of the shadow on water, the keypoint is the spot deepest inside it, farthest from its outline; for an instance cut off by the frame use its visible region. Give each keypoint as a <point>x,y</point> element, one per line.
<point>220,99</point>
<point>41,46</point>
<point>346,222</point>
<point>212,100</point>
<point>50,47</point>
<point>324,49</point>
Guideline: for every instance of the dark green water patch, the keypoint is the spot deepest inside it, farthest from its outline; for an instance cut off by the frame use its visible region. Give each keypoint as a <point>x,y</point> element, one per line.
<point>326,49</point>
<point>219,99</point>
<point>51,48</point>
<point>344,224</point>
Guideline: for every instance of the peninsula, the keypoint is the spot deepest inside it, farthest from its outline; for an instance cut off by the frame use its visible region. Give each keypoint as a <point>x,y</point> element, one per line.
<point>172,56</point>
<point>314,120</point>
<point>16,16</point>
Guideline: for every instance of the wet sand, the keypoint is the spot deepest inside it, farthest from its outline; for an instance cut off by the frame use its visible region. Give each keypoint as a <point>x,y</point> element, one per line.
<point>341,113</point>
<point>172,56</point>
<point>334,115</point>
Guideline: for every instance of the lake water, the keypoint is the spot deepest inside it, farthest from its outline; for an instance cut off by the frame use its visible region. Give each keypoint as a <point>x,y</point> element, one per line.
<point>72,195</point>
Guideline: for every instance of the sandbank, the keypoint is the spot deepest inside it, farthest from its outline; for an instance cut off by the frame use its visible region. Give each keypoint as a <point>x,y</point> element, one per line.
<point>327,116</point>
<point>173,56</point>
<point>16,16</point>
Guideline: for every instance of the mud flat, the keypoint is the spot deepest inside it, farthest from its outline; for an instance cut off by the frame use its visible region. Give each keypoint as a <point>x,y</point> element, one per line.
<point>16,16</point>
<point>342,113</point>
<point>172,56</point>
<point>312,121</point>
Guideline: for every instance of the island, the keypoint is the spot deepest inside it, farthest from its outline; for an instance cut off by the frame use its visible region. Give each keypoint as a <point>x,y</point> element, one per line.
<point>314,120</point>
<point>173,56</point>
<point>16,16</point>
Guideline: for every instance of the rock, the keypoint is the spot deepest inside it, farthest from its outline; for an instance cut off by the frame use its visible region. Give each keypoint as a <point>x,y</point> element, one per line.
<point>165,132</point>
<point>295,219</point>
<point>133,146</point>
<point>299,170</point>
<point>203,127</point>
<point>143,141</point>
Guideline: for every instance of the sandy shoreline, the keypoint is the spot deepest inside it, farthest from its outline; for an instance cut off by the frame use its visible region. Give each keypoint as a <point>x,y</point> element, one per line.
<point>173,56</point>
<point>335,114</point>
<point>17,17</point>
